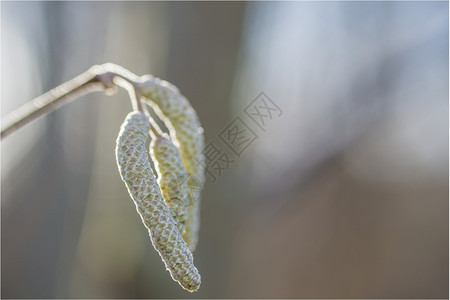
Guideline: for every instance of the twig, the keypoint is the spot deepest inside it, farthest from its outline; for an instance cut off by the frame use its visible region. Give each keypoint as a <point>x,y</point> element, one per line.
<point>155,131</point>
<point>98,78</point>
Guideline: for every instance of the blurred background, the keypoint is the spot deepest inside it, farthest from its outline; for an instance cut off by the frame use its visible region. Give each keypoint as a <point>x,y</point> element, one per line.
<point>342,194</point>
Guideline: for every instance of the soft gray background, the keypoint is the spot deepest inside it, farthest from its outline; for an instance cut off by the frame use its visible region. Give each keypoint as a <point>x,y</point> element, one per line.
<point>345,195</point>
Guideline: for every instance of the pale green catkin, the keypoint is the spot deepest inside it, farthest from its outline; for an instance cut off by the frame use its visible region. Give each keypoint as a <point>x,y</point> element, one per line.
<point>187,133</point>
<point>134,166</point>
<point>172,177</point>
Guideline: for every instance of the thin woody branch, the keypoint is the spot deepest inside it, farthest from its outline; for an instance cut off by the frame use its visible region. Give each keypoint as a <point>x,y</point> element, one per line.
<point>98,78</point>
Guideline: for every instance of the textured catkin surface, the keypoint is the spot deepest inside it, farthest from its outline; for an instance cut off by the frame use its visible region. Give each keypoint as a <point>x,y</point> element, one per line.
<point>172,177</point>
<point>187,133</point>
<point>134,166</point>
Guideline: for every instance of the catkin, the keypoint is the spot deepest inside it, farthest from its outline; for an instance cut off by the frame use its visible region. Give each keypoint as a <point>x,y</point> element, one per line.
<point>134,166</point>
<point>172,177</point>
<point>187,133</point>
